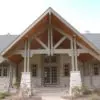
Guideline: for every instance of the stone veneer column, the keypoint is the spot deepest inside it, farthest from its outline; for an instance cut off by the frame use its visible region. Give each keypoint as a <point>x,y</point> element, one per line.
<point>26,75</point>
<point>75,76</point>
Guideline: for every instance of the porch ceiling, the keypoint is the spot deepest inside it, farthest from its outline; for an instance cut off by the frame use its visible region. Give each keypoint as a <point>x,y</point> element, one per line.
<point>85,57</point>
<point>39,26</point>
<point>16,58</point>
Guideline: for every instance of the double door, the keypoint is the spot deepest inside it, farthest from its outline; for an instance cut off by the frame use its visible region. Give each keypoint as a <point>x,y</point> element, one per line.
<point>50,71</point>
<point>50,75</point>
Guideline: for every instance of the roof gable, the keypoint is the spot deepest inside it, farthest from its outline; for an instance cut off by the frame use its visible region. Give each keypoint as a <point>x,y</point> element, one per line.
<point>42,19</point>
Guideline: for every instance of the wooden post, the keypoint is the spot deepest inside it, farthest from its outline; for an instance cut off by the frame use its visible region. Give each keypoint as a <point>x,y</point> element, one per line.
<point>75,54</point>
<point>48,42</point>
<point>25,56</point>
<point>51,41</point>
<point>28,56</point>
<point>72,56</point>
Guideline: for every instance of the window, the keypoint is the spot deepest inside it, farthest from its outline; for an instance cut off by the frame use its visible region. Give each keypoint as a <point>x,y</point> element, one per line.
<point>96,69</point>
<point>3,71</point>
<point>0,71</point>
<point>34,70</point>
<point>66,70</point>
<point>50,59</point>
<point>53,59</point>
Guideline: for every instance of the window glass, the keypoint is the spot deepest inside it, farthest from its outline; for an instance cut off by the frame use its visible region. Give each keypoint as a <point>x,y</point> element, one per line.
<point>34,70</point>
<point>53,59</point>
<point>5,71</point>
<point>0,71</point>
<point>96,69</point>
<point>66,70</point>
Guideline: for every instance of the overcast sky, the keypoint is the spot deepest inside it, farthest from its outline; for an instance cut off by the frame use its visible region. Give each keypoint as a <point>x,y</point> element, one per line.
<point>17,15</point>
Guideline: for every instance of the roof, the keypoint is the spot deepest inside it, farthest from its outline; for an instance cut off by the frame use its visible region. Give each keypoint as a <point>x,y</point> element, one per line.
<point>42,20</point>
<point>94,38</point>
<point>45,19</point>
<point>6,40</point>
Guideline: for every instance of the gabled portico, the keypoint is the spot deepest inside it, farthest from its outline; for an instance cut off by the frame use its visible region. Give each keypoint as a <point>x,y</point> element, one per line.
<point>53,40</point>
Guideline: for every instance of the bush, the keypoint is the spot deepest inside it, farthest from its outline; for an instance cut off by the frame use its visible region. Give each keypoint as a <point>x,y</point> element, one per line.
<point>94,97</point>
<point>85,90</point>
<point>79,91</point>
<point>3,95</point>
<point>76,91</point>
<point>16,85</point>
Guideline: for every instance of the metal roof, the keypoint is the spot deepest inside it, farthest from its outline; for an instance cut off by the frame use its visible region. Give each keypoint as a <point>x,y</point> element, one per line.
<point>6,40</point>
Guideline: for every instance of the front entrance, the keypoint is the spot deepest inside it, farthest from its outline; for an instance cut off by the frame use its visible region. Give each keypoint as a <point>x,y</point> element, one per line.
<point>50,72</point>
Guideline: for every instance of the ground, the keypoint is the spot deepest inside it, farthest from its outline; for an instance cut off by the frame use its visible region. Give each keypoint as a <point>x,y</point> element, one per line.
<point>88,97</point>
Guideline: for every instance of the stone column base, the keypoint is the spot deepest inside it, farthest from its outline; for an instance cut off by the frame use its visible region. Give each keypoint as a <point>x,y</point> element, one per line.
<point>25,85</point>
<point>75,80</point>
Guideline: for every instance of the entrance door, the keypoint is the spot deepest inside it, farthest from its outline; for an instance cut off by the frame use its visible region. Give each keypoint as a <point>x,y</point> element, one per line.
<point>50,71</point>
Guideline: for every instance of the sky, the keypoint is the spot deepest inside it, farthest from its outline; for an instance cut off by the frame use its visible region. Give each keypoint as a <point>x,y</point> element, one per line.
<point>17,15</point>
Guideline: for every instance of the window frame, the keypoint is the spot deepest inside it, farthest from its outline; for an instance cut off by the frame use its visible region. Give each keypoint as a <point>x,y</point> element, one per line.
<point>65,70</point>
<point>36,70</point>
<point>97,69</point>
<point>3,67</point>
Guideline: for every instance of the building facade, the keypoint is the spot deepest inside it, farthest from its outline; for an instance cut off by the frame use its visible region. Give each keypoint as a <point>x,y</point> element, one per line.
<point>50,53</point>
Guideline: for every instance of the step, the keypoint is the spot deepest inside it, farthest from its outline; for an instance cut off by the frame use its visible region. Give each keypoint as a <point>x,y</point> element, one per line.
<point>52,98</point>
<point>50,91</point>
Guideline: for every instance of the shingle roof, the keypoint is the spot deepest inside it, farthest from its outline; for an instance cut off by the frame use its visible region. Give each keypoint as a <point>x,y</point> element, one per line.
<point>94,38</point>
<point>6,40</point>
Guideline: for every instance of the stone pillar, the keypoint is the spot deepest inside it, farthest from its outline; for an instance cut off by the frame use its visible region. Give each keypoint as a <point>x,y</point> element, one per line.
<point>25,85</point>
<point>75,76</point>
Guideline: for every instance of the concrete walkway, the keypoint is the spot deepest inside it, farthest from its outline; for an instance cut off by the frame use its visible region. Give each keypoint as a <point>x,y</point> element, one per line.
<point>52,98</point>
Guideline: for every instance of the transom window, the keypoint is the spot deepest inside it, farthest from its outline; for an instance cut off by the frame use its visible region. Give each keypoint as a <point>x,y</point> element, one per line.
<point>34,70</point>
<point>3,70</point>
<point>66,69</point>
<point>50,59</point>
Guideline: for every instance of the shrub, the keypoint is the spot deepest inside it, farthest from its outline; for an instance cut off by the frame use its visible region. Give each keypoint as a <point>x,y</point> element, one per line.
<point>3,95</point>
<point>85,90</point>
<point>16,84</point>
<point>94,97</point>
<point>79,91</point>
<point>76,91</point>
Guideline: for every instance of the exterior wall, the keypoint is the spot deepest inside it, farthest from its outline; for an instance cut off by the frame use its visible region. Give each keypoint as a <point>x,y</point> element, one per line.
<point>90,80</point>
<point>36,81</point>
<point>64,80</point>
<point>4,84</point>
<point>7,82</point>
<point>36,59</point>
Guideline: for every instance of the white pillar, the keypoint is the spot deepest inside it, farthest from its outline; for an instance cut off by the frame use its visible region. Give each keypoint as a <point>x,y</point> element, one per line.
<point>26,75</point>
<point>75,76</point>
<point>10,76</point>
<point>72,55</point>
<point>28,56</point>
<point>25,56</point>
<point>75,54</point>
